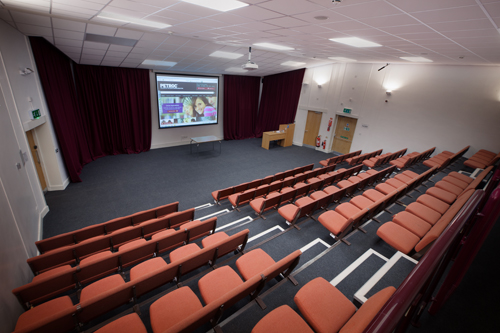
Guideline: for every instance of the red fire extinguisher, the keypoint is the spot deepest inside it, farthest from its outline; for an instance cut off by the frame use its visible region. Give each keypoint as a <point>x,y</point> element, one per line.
<point>329,124</point>
<point>324,144</point>
<point>318,140</point>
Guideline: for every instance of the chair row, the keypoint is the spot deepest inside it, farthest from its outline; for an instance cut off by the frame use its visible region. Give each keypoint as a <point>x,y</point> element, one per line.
<point>411,159</point>
<point>316,178</point>
<point>225,193</point>
<point>111,292</point>
<point>332,194</point>
<point>482,159</point>
<point>360,158</point>
<point>73,254</point>
<point>443,159</point>
<point>423,221</point>
<point>339,159</point>
<point>351,215</point>
<point>325,309</point>
<point>383,159</point>
<point>63,278</point>
<point>77,236</point>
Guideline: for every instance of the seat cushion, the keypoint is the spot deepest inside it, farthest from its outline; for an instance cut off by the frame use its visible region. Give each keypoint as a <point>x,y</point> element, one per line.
<point>442,195</point>
<point>474,165</point>
<point>344,183</point>
<point>425,213</point>
<point>331,189</point>
<point>47,309</point>
<point>253,263</point>
<point>364,175</point>
<point>461,177</point>
<point>334,222</point>
<point>303,201</point>
<point>373,195</point>
<point>256,204</point>
<point>395,183</point>
<point>96,257</point>
<point>323,306</point>
<point>404,178</point>
<point>398,237</point>
<point>347,210</point>
<point>433,203</point>
<point>354,179</point>
<point>217,283</point>
<point>318,195</point>
<point>132,244</point>
<point>131,323</point>
<point>101,286</point>
<point>361,202</point>
<point>410,173</point>
<point>214,238</point>
<point>173,308</point>
<point>368,311</point>
<point>455,181</point>
<point>191,224</point>
<point>146,267</point>
<point>412,223</point>
<point>288,212</point>
<point>384,188</point>
<point>162,234</point>
<point>183,251</point>
<point>52,272</point>
<point>449,187</point>
<point>371,172</point>
<point>282,319</point>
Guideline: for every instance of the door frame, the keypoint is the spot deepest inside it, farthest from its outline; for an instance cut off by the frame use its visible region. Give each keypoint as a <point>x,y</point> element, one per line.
<point>338,113</point>
<point>319,129</point>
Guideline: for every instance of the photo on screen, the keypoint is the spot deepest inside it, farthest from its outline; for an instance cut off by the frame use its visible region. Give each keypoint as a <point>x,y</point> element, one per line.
<point>185,100</point>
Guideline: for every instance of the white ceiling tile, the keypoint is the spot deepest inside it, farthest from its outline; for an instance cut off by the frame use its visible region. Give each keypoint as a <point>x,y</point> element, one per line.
<point>472,33</point>
<point>158,3</point>
<point>100,30</point>
<point>120,48</point>
<point>90,62</point>
<point>68,24</point>
<point>111,63</point>
<point>229,18</point>
<point>493,9</point>
<point>141,50</point>
<point>71,49</point>
<point>368,9</point>
<point>125,12</point>
<point>407,29</point>
<point>345,25</point>
<point>286,22</point>
<point>147,44</point>
<point>428,5</point>
<point>133,5</point>
<point>171,17</point>
<point>34,30</point>
<point>79,4</point>
<point>452,14</point>
<point>72,14</point>
<point>68,34</point>
<point>32,19</point>
<point>256,13</point>
<point>92,57</point>
<point>290,7</point>
<point>461,25</point>
<point>194,10</point>
<point>125,33</point>
<point>70,8</point>
<point>154,37</point>
<point>310,29</point>
<point>94,45</point>
<point>88,51</point>
<point>68,42</point>
<point>117,54</point>
<point>5,15</point>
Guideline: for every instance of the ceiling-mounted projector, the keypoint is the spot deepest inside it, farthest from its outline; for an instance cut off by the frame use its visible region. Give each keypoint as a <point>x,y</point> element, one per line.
<point>250,65</point>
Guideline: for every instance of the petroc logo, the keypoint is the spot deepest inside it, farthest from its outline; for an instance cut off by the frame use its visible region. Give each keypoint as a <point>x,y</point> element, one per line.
<point>168,86</point>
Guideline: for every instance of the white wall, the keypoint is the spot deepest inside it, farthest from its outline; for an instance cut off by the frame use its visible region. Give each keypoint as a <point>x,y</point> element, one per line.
<point>449,107</point>
<point>168,137</point>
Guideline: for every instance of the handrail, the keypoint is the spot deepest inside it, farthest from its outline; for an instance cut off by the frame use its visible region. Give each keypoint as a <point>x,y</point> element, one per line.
<point>391,313</point>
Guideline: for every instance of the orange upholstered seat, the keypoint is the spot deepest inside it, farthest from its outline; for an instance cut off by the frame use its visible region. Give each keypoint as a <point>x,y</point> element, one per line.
<point>395,183</point>
<point>163,233</point>
<point>132,244</point>
<point>131,323</point>
<point>146,267</point>
<point>425,213</point>
<point>361,202</point>
<point>449,187</point>
<point>183,251</point>
<point>384,188</point>
<point>410,173</point>
<point>282,319</point>
<point>288,212</point>
<point>303,201</point>
<point>457,182</point>
<point>334,222</point>
<point>344,183</point>
<point>347,209</point>
<point>217,283</point>
<point>461,177</point>
<point>318,195</point>
<point>433,203</point>
<point>373,195</point>
<point>323,306</point>
<point>214,238</point>
<point>412,223</point>
<point>173,308</point>
<point>331,189</point>
<point>96,257</point>
<point>442,195</point>
<point>52,272</point>
<point>48,309</point>
<point>403,178</point>
<point>398,237</point>
<point>101,286</point>
<point>253,263</point>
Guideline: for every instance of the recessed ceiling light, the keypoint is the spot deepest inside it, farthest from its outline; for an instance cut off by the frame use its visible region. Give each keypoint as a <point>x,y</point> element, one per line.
<point>355,41</point>
<point>159,63</point>
<point>342,59</point>
<point>226,55</point>
<point>274,46</point>
<point>236,70</point>
<point>126,19</point>
<point>220,5</point>
<point>292,63</point>
<point>416,59</point>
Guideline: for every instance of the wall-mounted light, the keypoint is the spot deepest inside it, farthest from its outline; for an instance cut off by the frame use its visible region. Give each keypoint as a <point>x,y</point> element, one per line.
<point>319,85</point>
<point>26,71</point>
<point>388,93</point>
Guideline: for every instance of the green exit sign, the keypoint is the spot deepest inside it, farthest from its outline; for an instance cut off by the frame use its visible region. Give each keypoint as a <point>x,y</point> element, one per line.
<point>347,110</point>
<point>36,114</point>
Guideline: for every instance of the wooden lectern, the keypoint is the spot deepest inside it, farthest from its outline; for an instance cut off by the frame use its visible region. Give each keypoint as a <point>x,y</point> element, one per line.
<point>284,135</point>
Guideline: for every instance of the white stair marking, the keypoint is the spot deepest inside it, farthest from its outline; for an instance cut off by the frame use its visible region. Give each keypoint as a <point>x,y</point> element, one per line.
<point>213,214</point>
<point>265,232</point>
<point>339,278</point>
<point>248,218</point>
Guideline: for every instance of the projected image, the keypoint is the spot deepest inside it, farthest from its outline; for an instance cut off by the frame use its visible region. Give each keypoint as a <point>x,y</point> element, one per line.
<point>186,100</point>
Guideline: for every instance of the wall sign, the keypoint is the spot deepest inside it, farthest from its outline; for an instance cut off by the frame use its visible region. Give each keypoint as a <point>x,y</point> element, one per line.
<point>347,110</point>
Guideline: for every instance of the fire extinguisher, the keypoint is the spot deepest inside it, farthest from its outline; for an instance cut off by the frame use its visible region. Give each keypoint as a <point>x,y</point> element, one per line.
<point>318,141</point>
<point>329,124</point>
<point>324,144</point>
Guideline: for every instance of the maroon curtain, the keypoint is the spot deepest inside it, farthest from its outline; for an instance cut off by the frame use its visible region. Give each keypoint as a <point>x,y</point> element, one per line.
<point>108,111</point>
<point>116,107</point>
<point>241,99</point>
<point>54,70</point>
<point>279,100</point>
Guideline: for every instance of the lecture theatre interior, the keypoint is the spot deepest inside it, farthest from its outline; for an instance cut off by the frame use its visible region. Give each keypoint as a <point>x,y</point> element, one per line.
<point>249,165</point>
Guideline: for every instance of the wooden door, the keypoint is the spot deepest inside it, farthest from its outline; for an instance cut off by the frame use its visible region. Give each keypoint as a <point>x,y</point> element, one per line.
<point>312,128</point>
<point>36,159</point>
<point>344,133</point>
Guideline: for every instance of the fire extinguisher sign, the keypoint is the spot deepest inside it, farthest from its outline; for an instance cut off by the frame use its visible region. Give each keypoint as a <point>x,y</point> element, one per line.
<point>330,124</point>
<point>318,140</point>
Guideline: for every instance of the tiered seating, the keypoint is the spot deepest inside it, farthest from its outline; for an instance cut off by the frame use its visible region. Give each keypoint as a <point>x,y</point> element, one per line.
<point>360,158</point>
<point>412,158</point>
<point>59,314</point>
<point>73,254</point>
<point>226,193</point>
<point>383,159</point>
<point>338,159</point>
<point>63,278</point>
<point>482,159</point>
<point>424,220</point>
<point>325,309</point>
<point>443,159</point>
<point>78,236</point>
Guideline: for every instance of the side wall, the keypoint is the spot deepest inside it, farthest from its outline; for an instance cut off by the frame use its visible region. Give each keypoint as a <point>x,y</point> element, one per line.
<point>449,107</point>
